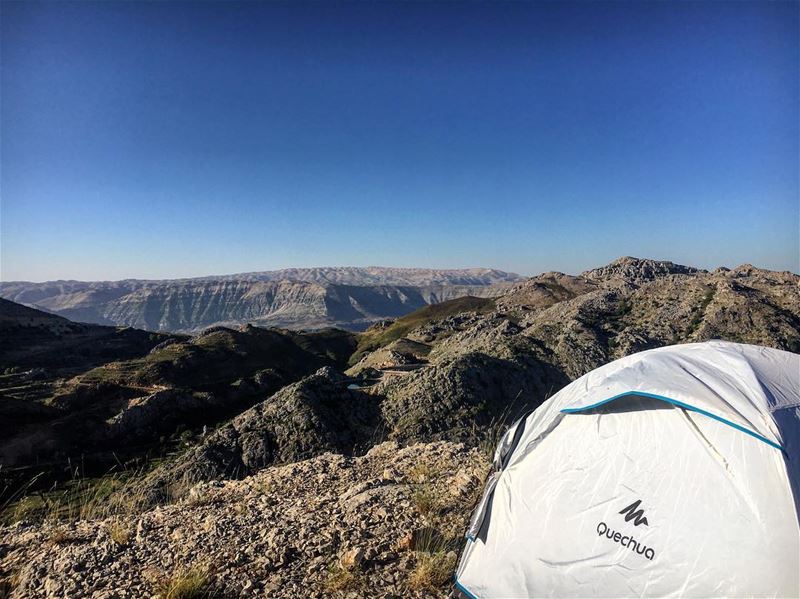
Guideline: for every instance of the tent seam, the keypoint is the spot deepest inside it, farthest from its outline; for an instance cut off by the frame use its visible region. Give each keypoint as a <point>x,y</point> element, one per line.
<point>674,402</point>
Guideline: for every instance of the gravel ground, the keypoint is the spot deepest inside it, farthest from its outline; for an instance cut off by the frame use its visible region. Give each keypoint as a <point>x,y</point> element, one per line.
<point>387,524</point>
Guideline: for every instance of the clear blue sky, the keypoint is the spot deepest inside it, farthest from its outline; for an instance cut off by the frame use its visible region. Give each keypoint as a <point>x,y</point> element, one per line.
<point>149,139</point>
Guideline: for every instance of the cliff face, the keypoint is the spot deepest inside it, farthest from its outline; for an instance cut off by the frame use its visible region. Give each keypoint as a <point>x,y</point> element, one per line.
<point>351,298</point>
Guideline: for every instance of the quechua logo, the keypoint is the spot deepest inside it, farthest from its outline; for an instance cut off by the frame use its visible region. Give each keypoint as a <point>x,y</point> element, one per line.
<point>632,512</point>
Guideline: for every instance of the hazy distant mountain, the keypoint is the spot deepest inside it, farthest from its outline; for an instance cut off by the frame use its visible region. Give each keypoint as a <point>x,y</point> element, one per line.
<point>378,275</point>
<point>302,298</point>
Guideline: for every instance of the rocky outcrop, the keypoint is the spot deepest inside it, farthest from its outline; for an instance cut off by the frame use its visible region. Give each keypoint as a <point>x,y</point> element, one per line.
<point>399,353</point>
<point>762,308</point>
<point>462,395</point>
<point>638,270</point>
<point>310,417</point>
<point>159,411</point>
<point>486,368</point>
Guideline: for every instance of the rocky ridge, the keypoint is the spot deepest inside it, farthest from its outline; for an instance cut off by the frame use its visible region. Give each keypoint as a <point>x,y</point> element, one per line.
<point>462,374</point>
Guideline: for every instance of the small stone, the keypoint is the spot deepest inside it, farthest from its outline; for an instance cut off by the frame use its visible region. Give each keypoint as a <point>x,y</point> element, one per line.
<point>463,483</point>
<point>352,558</point>
<point>405,542</point>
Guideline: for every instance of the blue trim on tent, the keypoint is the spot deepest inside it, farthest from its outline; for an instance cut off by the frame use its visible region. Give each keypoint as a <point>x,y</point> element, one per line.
<point>674,402</point>
<point>464,590</point>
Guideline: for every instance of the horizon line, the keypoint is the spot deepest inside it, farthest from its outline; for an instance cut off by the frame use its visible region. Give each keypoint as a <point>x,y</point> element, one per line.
<point>405,268</point>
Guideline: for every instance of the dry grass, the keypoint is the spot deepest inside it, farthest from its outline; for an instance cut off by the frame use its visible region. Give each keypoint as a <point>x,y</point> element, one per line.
<point>434,544</point>
<point>432,540</point>
<point>81,499</point>
<point>119,532</point>
<point>341,579</point>
<point>426,500</point>
<point>492,435</point>
<point>27,508</point>
<point>191,583</point>
<point>8,584</point>
<point>262,485</point>
<point>433,571</point>
<point>425,497</point>
<point>421,472</point>
<point>59,536</point>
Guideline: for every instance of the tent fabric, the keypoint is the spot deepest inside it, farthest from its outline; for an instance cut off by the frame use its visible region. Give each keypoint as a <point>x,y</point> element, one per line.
<point>672,472</point>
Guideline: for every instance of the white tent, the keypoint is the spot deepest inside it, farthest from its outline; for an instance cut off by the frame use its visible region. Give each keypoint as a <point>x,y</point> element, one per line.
<point>672,472</point>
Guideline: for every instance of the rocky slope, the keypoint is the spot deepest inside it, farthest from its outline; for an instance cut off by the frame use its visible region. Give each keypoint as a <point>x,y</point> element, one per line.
<point>311,298</point>
<point>446,379</point>
<point>387,524</point>
<point>315,415</point>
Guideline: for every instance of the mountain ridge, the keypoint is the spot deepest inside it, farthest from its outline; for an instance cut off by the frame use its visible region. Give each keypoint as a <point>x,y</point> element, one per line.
<point>334,274</point>
<point>347,297</point>
<point>352,298</point>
